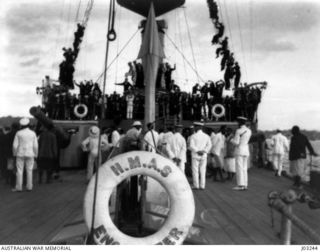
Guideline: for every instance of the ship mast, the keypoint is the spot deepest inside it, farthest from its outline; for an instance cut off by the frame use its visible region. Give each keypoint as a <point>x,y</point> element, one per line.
<point>151,50</point>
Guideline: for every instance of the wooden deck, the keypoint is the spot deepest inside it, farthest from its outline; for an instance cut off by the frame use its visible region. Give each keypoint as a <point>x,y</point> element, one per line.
<point>224,216</point>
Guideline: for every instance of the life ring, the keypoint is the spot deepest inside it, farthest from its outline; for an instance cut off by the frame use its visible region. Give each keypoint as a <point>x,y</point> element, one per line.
<point>113,172</point>
<point>79,114</point>
<point>214,112</point>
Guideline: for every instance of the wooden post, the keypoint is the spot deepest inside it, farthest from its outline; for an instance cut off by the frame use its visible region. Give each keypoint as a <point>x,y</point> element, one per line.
<point>286,227</point>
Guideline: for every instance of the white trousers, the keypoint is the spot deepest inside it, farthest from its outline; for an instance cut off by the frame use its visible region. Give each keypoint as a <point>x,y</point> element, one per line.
<point>277,161</point>
<point>242,170</point>
<point>28,163</point>
<point>181,166</point>
<point>199,168</point>
<point>129,112</point>
<point>90,166</point>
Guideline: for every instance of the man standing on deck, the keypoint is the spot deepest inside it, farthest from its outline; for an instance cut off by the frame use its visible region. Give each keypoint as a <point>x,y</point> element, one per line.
<point>280,145</point>
<point>177,148</point>
<point>151,139</point>
<point>241,140</point>
<point>165,139</point>
<point>25,149</point>
<point>297,155</point>
<point>218,143</point>
<point>132,139</point>
<point>48,153</point>
<point>200,145</point>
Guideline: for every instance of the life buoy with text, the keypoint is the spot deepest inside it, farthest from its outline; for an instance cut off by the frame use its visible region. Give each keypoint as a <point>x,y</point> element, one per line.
<point>182,208</point>
<point>218,114</point>
<point>80,114</point>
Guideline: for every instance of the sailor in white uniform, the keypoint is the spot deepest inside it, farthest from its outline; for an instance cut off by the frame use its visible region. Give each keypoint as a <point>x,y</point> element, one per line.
<point>216,152</point>
<point>25,149</point>
<point>280,146</point>
<point>200,145</point>
<point>177,148</point>
<point>91,145</point>
<point>241,140</point>
<point>164,141</point>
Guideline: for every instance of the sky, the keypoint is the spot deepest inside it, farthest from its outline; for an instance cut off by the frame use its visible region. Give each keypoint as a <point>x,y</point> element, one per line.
<point>273,40</point>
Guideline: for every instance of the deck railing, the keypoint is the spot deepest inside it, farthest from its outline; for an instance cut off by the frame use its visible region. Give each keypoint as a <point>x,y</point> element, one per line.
<point>283,202</point>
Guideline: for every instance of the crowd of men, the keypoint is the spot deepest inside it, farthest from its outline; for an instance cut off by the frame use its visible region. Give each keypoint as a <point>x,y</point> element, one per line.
<point>199,152</point>
<point>61,104</point>
<point>22,150</point>
<point>203,152</point>
<point>220,150</point>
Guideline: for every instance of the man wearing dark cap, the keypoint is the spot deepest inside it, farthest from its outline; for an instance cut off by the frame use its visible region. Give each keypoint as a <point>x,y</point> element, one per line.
<point>241,140</point>
<point>297,154</point>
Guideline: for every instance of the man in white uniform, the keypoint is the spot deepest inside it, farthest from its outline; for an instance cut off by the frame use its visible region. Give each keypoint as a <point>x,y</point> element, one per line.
<point>25,149</point>
<point>216,152</point>
<point>280,145</point>
<point>241,140</point>
<point>151,139</point>
<point>200,145</point>
<point>130,99</point>
<point>115,137</point>
<point>91,145</point>
<point>165,139</point>
<point>177,148</point>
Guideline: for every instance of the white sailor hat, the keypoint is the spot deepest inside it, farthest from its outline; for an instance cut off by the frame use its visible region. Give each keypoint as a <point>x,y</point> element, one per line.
<point>241,118</point>
<point>24,121</point>
<point>198,124</point>
<point>94,131</point>
<point>136,123</point>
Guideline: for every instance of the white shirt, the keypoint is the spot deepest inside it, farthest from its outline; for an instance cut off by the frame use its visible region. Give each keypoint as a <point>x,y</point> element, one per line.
<point>91,145</point>
<point>25,143</point>
<point>115,137</point>
<point>177,147</point>
<point>241,140</point>
<point>129,99</point>
<point>200,141</point>
<point>164,141</point>
<point>280,144</point>
<point>151,142</point>
<point>218,142</point>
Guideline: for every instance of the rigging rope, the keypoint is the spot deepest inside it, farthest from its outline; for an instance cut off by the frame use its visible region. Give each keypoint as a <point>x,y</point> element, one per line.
<point>111,32</point>
<point>122,49</point>
<point>190,41</point>
<point>87,13</point>
<point>77,14</point>
<point>251,28</point>
<point>116,74</point>
<point>241,40</point>
<point>181,44</point>
<point>68,22</point>
<point>110,23</point>
<point>228,24</point>
<point>176,47</point>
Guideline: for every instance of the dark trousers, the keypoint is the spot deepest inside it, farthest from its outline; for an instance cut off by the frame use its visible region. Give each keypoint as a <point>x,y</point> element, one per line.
<point>48,165</point>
